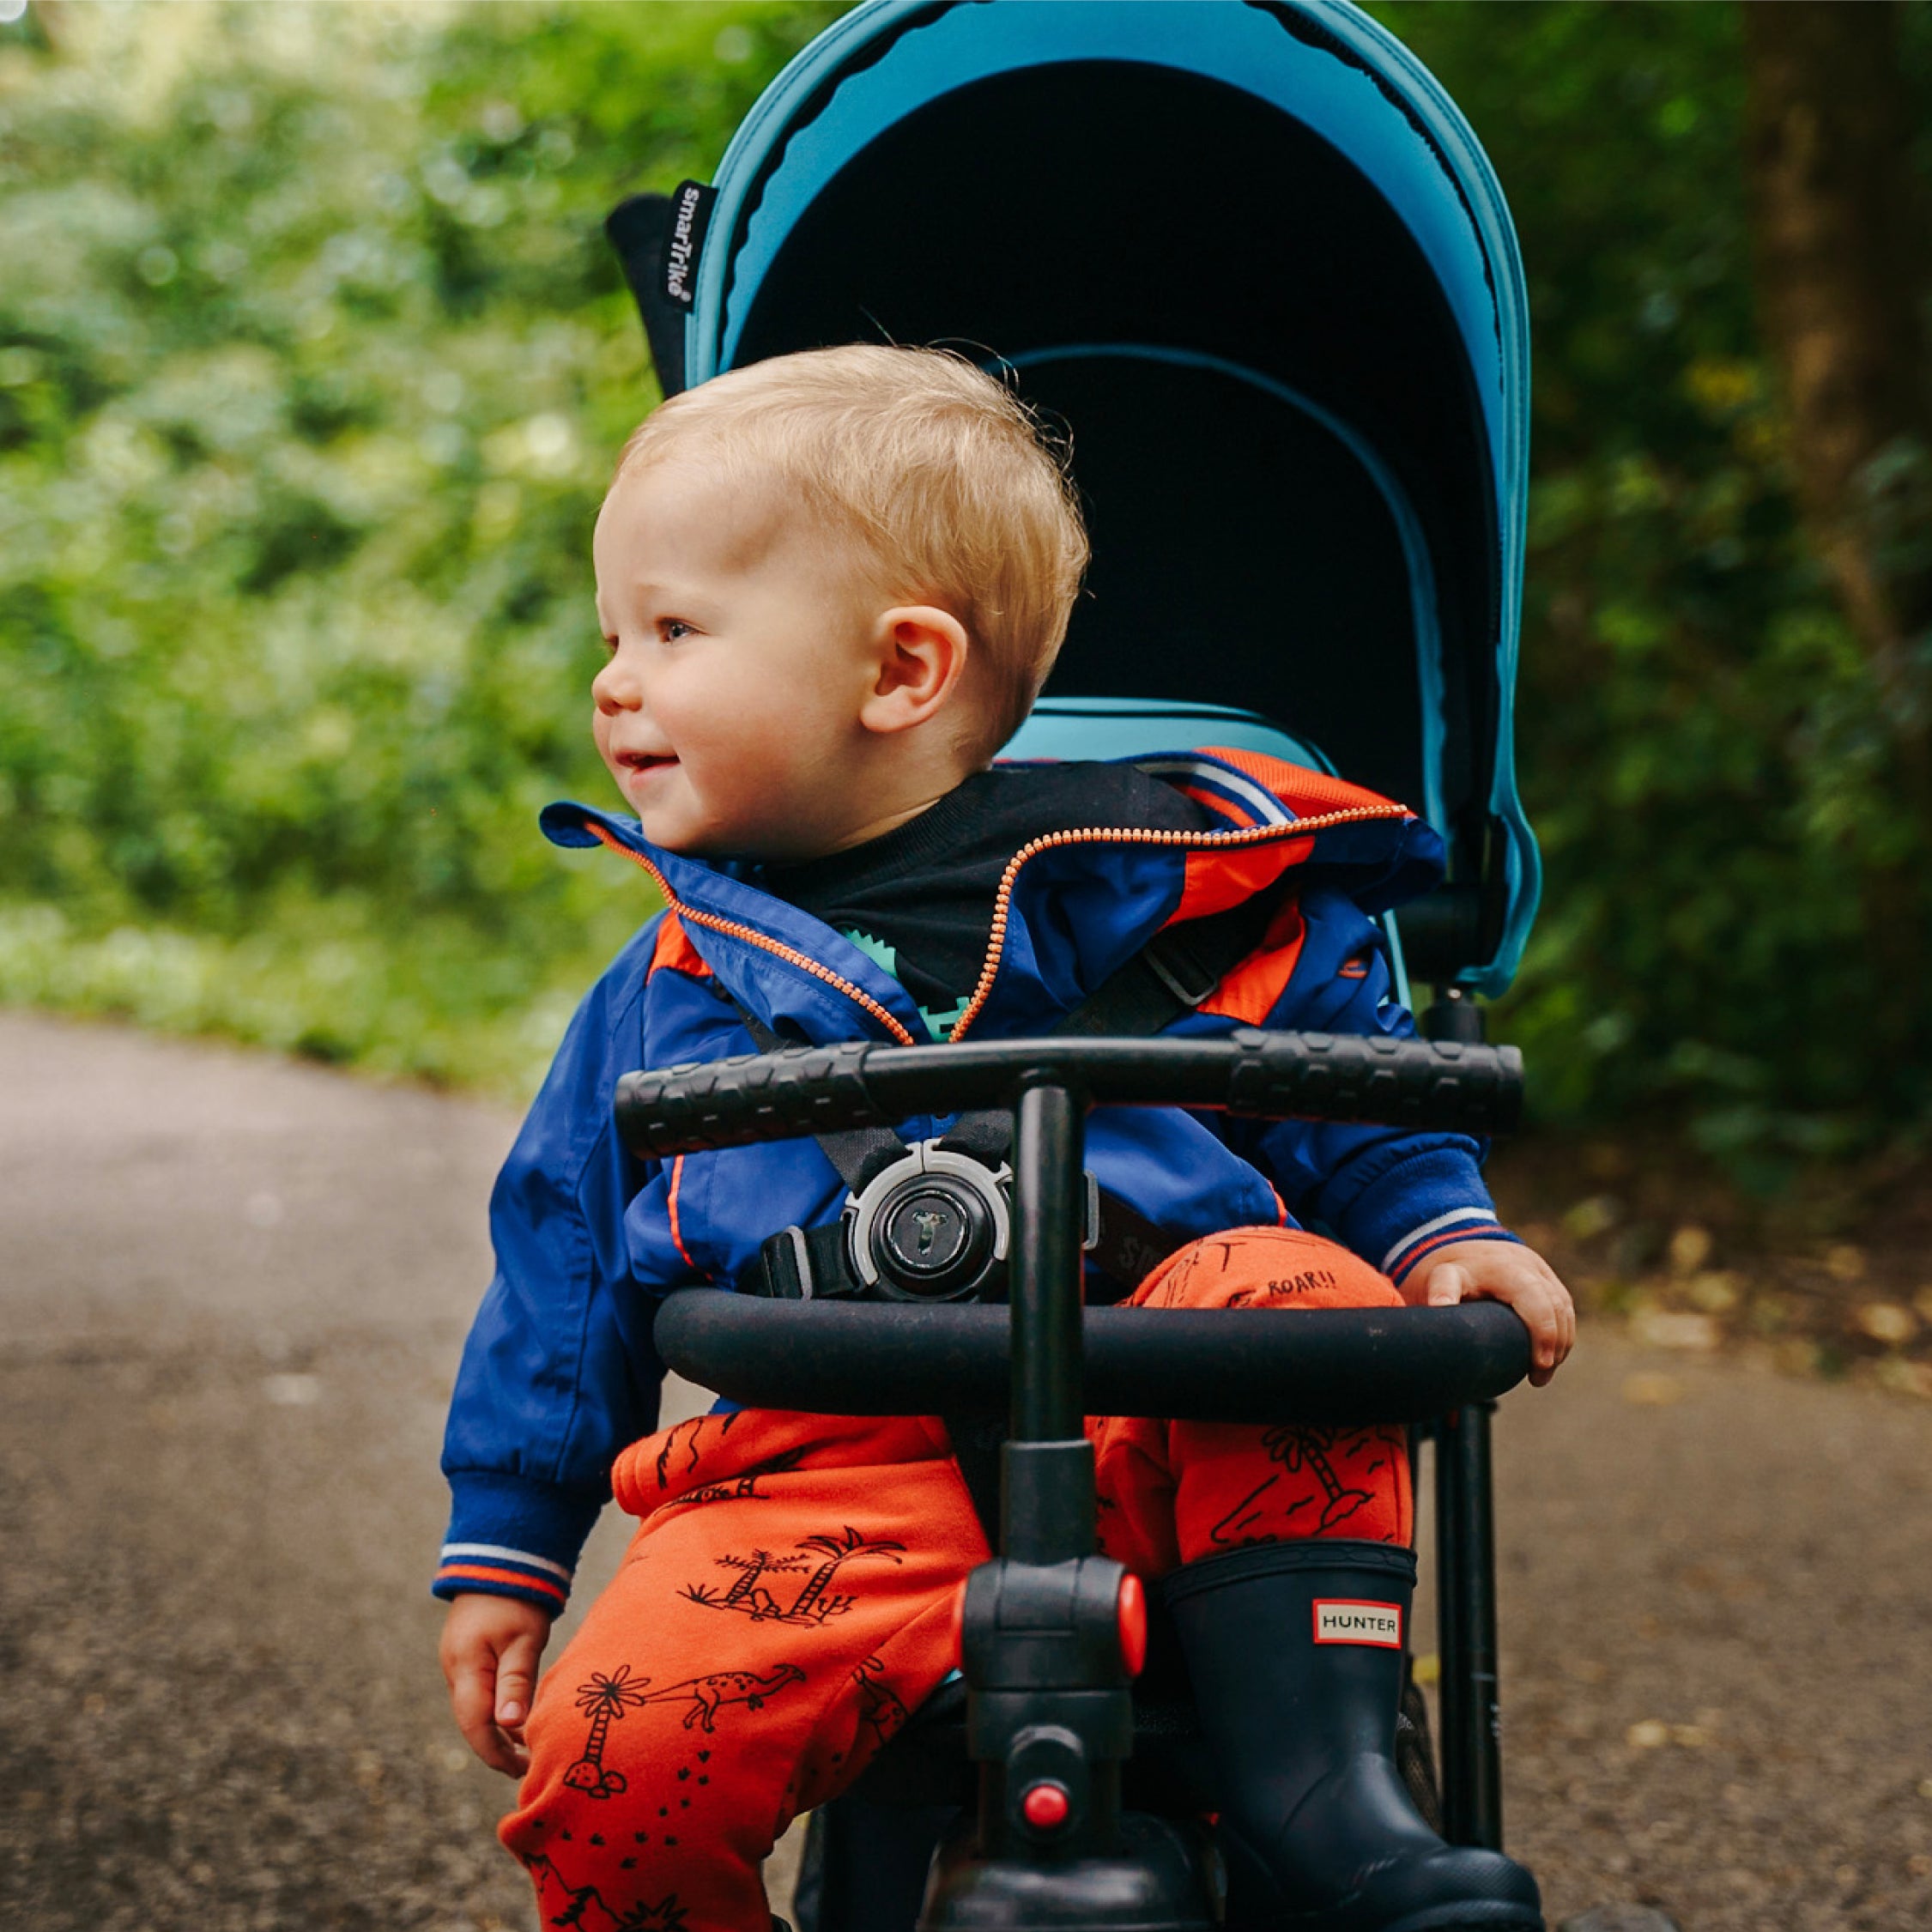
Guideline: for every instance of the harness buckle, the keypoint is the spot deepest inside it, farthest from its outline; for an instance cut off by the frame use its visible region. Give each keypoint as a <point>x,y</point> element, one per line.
<point>930,1227</point>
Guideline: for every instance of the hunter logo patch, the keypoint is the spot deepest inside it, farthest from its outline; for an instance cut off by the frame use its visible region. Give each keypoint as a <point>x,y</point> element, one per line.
<point>1342,1620</point>
<point>690,216</point>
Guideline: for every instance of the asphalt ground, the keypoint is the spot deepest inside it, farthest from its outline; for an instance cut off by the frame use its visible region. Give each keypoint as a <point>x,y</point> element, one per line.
<point>231,1293</point>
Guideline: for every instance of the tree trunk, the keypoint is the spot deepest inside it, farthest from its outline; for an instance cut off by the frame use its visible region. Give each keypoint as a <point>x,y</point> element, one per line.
<point>1842,254</point>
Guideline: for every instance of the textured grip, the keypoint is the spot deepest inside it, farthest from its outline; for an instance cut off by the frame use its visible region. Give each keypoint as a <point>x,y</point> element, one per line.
<point>698,1105</point>
<point>1448,1086</point>
<point>1439,1084</point>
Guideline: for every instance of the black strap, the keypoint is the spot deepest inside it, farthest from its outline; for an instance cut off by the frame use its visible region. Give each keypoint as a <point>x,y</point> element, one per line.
<point>861,1154</point>
<point>1130,1248</point>
<point>1171,974</point>
<point>977,1441</point>
<point>803,1264</point>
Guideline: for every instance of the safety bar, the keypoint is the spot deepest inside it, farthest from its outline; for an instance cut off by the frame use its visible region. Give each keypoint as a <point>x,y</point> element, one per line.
<point>1449,1085</point>
<point>1352,1367</point>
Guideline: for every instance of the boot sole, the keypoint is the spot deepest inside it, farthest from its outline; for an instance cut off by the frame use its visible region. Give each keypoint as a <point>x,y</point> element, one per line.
<point>1469,1917</point>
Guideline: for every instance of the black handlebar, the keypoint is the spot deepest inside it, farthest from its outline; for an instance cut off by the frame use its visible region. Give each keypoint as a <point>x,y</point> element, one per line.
<point>1223,1364</point>
<point>1445,1085</point>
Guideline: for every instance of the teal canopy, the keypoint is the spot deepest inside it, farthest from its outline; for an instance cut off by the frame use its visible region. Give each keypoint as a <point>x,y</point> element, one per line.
<point>1254,257</point>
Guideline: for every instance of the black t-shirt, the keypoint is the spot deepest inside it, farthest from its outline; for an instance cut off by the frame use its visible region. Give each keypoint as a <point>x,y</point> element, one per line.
<point>919,899</point>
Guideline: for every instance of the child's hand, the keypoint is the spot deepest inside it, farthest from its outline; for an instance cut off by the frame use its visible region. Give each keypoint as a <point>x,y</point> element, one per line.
<point>1507,1272</point>
<point>490,1648</point>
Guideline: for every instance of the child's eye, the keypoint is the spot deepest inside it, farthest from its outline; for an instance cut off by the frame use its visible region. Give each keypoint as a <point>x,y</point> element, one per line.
<point>671,629</point>
<point>609,644</point>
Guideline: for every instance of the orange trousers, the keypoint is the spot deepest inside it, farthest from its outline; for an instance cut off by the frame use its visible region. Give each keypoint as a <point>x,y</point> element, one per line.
<point>787,1602</point>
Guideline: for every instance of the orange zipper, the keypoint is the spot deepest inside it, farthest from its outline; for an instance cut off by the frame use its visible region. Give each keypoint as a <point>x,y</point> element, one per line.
<point>751,935</point>
<point>1248,835</point>
<point>1003,900</point>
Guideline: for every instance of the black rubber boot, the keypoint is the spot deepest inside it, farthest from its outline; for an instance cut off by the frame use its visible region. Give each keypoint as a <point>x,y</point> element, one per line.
<point>1295,1650</point>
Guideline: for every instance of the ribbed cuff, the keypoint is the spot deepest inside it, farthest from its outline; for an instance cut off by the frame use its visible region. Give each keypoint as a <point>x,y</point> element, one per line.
<point>511,1536</point>
<point>1419,1203</point>
<point>1423,1244</point>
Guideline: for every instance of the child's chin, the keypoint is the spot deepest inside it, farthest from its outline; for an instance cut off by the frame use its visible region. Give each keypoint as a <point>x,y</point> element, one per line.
<point>671,835</point>
<point>674,831</point>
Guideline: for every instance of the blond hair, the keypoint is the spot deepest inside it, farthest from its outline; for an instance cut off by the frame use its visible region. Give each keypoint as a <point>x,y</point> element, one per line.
<point>944,477</point>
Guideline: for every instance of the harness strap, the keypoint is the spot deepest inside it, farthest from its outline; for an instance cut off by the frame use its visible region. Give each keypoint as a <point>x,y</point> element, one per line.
<point>861,1155</point>
<point>1170,976</point>
<point>1172,973</point>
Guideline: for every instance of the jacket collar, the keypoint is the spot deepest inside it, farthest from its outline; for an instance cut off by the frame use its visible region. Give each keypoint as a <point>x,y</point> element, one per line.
<point>1074,906</point>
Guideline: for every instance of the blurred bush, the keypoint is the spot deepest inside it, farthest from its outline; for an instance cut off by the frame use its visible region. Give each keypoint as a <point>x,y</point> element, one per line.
<point>312,359</point>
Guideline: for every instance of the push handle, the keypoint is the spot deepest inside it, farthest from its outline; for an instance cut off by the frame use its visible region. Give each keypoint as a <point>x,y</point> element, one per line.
<point>1444,1085</point>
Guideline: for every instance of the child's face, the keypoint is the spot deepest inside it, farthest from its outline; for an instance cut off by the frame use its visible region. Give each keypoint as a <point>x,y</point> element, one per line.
<point>729,712</point>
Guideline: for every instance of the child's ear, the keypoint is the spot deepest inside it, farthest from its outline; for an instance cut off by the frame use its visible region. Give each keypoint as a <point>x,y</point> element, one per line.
<point>918,655</point>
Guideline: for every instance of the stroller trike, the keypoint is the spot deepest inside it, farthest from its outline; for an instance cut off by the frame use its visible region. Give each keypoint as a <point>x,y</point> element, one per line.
<point>1253,257</point>
<point>1052,1634</point>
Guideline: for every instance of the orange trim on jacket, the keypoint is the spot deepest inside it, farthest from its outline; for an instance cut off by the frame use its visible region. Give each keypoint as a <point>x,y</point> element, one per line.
<point>736,928</point>
<point>674,949</point>
<point>1248,993</point>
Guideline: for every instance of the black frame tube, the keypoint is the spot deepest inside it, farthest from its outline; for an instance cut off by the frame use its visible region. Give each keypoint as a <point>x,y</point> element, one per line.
<point>1472,1764</point>
<point>1451,1688</point>
<point>1044,1271</point>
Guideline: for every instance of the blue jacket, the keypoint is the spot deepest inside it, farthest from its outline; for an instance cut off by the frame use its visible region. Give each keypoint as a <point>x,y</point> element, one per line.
<point>559,1373</point>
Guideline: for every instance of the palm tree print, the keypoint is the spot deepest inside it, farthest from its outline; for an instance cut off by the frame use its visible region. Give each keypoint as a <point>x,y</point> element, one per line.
<point>666,1916</point>
<point>838,1551</point>
<point>1309,1446</point>
<point>816,1601</point>
<point>601,1700</point>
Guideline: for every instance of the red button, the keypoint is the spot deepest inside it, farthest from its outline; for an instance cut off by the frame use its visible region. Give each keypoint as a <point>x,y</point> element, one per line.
<point>1046,1806</point>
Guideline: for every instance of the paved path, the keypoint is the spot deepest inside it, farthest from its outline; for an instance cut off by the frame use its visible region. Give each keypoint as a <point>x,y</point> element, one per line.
<point>231,1291</point>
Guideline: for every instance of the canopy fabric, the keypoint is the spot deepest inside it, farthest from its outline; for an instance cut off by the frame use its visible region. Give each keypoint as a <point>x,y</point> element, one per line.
<point>1254,257</point>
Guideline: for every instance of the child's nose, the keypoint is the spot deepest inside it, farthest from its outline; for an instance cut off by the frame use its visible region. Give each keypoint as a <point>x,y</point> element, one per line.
<point>617,687</point>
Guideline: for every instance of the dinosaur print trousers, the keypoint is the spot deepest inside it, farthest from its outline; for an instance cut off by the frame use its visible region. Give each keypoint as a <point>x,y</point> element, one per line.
<point>788,1598</point>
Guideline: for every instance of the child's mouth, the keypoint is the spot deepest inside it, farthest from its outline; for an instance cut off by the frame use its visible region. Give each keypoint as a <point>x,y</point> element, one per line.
<point>645,760</point>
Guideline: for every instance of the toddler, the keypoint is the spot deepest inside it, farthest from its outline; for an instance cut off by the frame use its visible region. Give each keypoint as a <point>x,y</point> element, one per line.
<point>831,585</point>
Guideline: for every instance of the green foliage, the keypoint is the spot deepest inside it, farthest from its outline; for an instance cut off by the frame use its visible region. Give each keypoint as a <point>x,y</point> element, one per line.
<point>1705,755</point>
<point>313,360</point>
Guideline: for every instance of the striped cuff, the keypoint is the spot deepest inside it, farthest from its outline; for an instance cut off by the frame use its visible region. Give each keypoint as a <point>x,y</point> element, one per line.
<point>513,1535</point>
<point>1461,1224</point>
<point>491,1570</point>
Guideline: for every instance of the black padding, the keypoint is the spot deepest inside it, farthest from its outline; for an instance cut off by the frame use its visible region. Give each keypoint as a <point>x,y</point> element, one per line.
<point>1242,556</point>
<point>637,228</point>
<point>1228,1365</point>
